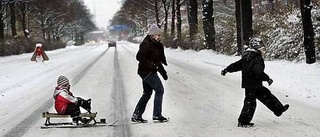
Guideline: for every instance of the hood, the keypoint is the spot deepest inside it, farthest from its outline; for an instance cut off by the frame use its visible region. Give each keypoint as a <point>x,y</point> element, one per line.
<point>58,90</point>
<point>250,54</point>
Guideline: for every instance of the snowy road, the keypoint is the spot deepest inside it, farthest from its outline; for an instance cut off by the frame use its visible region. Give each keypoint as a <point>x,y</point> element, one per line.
<point>198,100</point>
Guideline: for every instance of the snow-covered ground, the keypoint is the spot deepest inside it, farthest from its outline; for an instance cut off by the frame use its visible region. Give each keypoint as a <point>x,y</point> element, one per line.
<point>199,101</point>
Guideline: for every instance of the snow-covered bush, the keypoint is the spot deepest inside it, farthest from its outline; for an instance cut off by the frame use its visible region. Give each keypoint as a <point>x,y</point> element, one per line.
<point>225,27</point>
<point>283,33</point>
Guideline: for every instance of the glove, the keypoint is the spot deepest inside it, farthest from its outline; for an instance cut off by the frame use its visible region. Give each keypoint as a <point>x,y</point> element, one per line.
<point>270,81</point>
<point>162,71</point>
<point>164,76</point>
<point>224,72</point>
<point>165,63</point>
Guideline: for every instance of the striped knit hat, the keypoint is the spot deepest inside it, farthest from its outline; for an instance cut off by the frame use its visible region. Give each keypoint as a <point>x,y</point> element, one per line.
<point>62,80</point>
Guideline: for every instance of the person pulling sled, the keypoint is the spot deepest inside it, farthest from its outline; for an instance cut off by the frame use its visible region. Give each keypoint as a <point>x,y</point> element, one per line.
<point>67,104</point>
<point>252,67</point>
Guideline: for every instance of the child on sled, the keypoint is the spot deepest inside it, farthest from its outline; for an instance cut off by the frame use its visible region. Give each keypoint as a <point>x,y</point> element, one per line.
<point>67,104</point>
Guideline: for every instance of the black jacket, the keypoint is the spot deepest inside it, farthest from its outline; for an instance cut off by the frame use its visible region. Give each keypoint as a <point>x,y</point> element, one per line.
<point>252,66</point>
<point>151,57</point>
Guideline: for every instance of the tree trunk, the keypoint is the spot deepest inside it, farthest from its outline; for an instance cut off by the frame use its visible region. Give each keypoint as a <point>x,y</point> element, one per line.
<point>1,24</point>
<point>244,23</point>
<point>179,21</point>
<point>238,26</point>
<point>208,24</point>
<point>166,14</point>
<point>13,19</point>
<point>157,12</point>
<point>193,19</point>
<point>308,42</point>
<point>23,20</point>
<point>43,32</point>
<point>173,16</point>
<point>247,21</point>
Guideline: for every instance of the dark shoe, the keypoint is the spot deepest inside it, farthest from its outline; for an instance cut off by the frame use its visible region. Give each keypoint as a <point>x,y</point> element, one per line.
<point>138,119</point>
<point>245,124</point>
<point>85,121</point>
<point>284,109</point>
<point>76,120</point>
<point>160,119</point>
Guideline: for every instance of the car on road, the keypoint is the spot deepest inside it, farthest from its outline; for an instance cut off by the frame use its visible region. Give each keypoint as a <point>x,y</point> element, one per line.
<point>112,43</point>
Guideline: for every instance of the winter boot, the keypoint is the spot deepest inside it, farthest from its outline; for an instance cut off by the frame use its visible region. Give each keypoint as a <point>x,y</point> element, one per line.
<point>86,105</point>
<point>85,121</point>
<point>76,119</point>
<point>285,108</point>
<point>160,119</point>
<point>245,124</point>
<point>138,119</point>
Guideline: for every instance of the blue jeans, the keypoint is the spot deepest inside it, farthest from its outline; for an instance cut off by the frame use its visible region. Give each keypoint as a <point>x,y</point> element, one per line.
<point>151,82</point>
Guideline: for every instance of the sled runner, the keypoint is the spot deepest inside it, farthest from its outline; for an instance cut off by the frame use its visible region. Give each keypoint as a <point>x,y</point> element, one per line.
<point>89,119</point>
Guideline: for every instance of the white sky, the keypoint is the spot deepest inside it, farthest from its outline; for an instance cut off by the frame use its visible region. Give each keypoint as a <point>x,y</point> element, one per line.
<point>103,10</point>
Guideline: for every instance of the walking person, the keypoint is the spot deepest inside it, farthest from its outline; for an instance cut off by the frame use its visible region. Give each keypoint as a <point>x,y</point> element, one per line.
<point>252,66</point>
<point>151,57</point>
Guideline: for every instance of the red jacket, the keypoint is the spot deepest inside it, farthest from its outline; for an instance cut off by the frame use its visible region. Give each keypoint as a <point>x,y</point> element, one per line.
<point>63,97</point>
<point>38,51</point>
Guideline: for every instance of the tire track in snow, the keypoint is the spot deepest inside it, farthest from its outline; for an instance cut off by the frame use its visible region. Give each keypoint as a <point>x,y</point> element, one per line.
<point>20,129</point>
<point>119,101</point>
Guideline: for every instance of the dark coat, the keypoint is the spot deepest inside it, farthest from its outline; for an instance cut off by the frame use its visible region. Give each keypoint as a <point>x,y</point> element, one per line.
<point>252,66</point>
<point>151,57</point>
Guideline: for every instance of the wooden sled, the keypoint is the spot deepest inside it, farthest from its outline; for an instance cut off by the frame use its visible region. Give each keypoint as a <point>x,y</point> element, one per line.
<point>88,116</point>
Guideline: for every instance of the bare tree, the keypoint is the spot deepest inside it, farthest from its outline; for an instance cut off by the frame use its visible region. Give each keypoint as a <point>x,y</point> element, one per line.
<point>173,17</point>
<point>179,21</point>
<point>13,18</point>
<point>308,32</point>
<point>166,6</point>
<point>23,10</point>
<point>1,23</point>
<point>3,5</point>
<point>244,23</point>
<point>193,18</point>
<point>208,24</point>
<point>149,8</point>
<point>45,14</point>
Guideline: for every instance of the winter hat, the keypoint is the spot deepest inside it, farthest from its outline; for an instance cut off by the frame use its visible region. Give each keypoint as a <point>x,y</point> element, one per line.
<point>39,45</point>
<point>256,43</point>
<point>154,30</point>
<point>62,80</point>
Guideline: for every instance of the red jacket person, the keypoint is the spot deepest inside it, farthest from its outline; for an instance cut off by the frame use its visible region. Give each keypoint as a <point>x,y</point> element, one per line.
<point>67,104</point>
